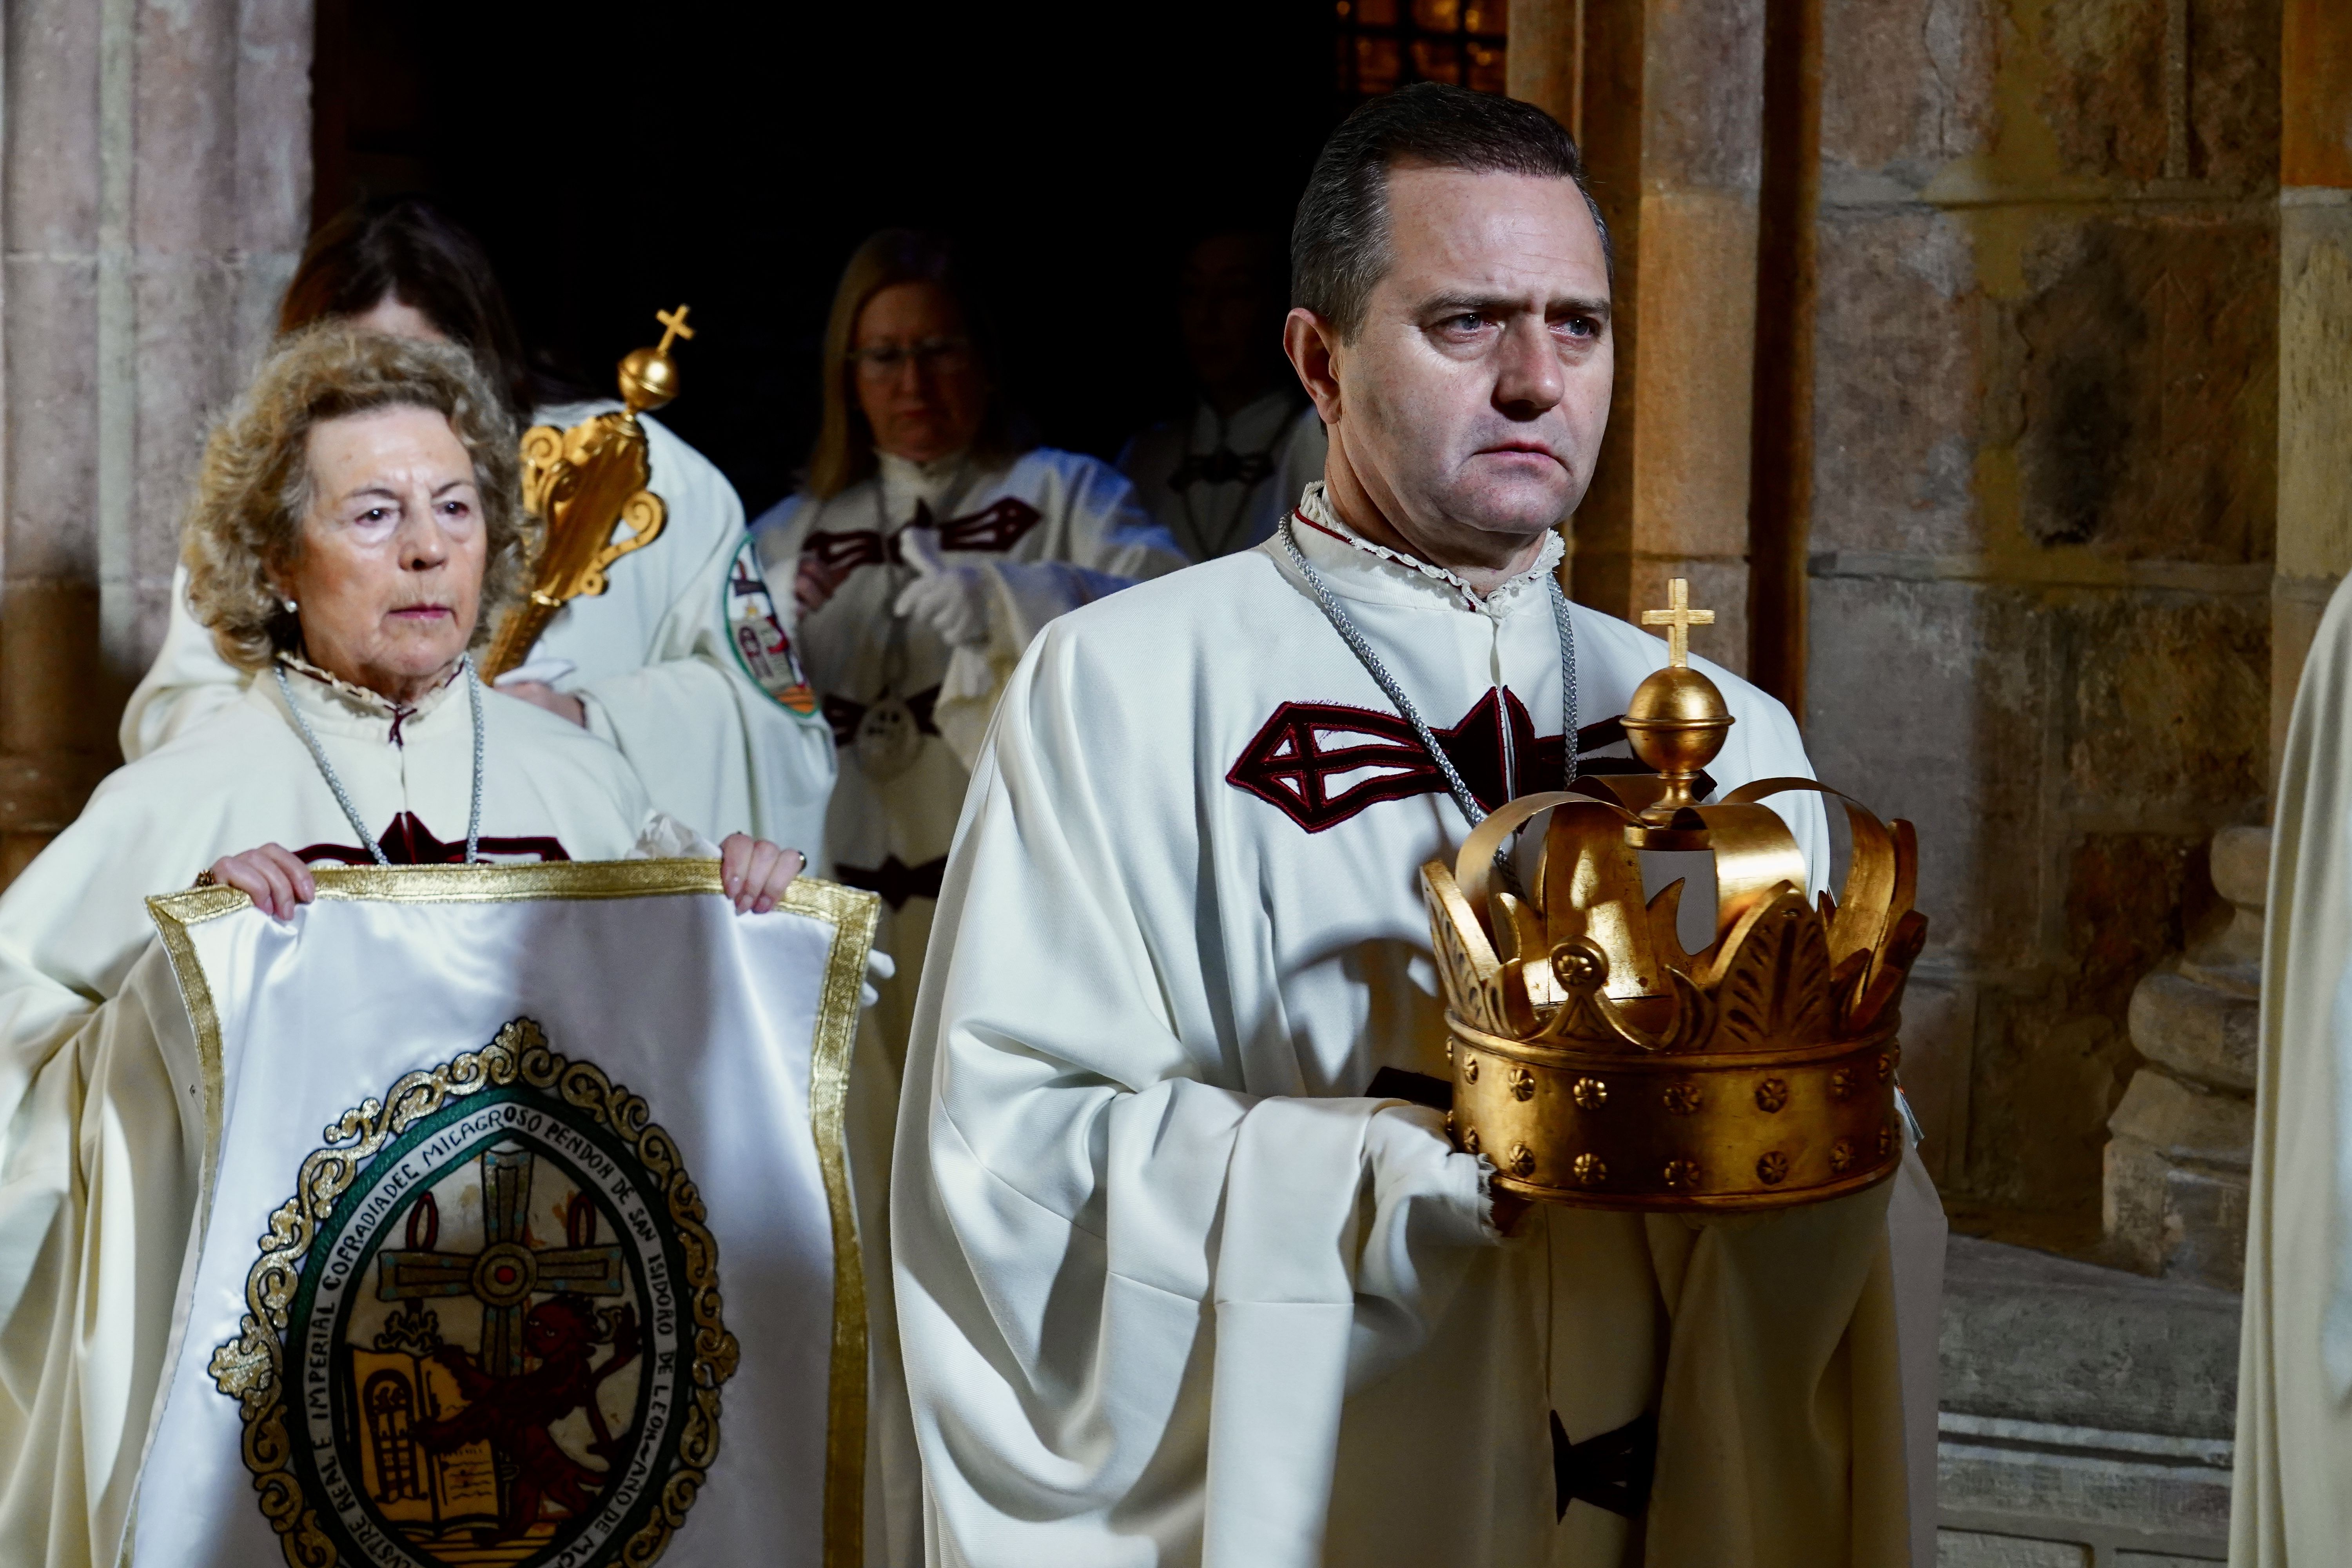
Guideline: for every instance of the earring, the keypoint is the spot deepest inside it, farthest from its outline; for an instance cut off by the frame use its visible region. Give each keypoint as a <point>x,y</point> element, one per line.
<point>290,605</point>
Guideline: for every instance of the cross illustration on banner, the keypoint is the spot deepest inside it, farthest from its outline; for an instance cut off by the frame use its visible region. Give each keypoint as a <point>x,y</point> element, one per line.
<point>1678,618</point>
<point>672,326</point>
<point>507,1270</point>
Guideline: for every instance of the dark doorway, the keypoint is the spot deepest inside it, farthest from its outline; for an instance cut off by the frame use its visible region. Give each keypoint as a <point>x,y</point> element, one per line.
<point>616,160</point>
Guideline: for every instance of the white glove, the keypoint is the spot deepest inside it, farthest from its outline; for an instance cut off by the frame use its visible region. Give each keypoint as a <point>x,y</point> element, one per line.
<point>879,966</point>
<point>950,600</point>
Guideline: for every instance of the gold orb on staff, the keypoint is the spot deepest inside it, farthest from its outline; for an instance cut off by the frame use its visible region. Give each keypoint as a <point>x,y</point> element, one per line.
<point>582,485</point>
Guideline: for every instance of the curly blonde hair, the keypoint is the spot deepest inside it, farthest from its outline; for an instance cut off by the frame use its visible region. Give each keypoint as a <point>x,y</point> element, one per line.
<point>254,487</point>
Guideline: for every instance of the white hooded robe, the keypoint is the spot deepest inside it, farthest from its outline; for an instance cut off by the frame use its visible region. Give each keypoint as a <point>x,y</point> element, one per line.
<point>1048,532</point>
<point>99,1153</point>
<point>1171,1287</point>
<point>2290,1505</point>
<point>1218,485</point>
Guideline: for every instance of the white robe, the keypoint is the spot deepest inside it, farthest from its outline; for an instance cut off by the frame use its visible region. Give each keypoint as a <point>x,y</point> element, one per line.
<point>1170,1290</point>
<point>1050,530</point>
<point>2290,1505</point>
<point>99,1155</point>
<point>1213,505</point>
<point>723,746</point>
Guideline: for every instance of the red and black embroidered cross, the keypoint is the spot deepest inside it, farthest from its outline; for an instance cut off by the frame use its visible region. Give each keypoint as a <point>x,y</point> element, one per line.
<point>1322,763</point>
<point>408,842</point>
<point>994,529</point>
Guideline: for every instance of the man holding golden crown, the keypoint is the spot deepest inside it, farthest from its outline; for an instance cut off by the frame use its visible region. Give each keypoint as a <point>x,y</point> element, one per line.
<point>1180,1276</point>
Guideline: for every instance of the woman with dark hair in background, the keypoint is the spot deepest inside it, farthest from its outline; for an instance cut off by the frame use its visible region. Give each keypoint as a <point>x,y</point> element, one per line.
<point>726,740</point>
<point>928,547</point>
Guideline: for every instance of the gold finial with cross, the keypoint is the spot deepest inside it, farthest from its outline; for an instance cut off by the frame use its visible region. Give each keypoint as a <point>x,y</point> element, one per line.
<point>672,326</point>
<point>1678,618</point>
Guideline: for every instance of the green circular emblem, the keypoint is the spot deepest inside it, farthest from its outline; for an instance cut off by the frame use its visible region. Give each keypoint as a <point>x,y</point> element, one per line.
<point>486,1328</point>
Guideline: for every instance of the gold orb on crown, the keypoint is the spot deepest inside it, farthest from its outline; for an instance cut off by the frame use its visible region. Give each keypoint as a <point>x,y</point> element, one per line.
<point>1597,1062</point>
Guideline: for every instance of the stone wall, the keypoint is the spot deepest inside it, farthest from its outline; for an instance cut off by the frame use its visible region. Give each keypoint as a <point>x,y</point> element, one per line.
<point>1667,110</point>
<point>2042,524</point>
<point>154,195</point>
<point>1973,307</point>
<point>2086,1414</point>
<point>2315,306</point>
<point>2178,1169</point>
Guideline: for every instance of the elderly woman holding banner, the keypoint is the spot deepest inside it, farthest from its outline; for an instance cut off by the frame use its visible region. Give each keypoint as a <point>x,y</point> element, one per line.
<point>679,663</point>
<point>356,527</point>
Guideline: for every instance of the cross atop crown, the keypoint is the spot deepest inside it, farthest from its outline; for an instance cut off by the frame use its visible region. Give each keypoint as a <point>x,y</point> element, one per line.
<point>672,326</point>
<point>1678,618</point>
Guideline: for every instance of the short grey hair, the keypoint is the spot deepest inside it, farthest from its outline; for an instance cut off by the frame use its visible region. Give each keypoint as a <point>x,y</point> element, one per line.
<point>1340,241</point>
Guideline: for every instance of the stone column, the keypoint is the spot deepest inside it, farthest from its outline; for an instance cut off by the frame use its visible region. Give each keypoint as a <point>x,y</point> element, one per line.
<point>1545,63</point>
<point>2314,503</point>
<point>2176,1171</point>
<point>2178,1165</point>
<point>1667,100</point>
<point>155,193</point>
<point>2046,368</point>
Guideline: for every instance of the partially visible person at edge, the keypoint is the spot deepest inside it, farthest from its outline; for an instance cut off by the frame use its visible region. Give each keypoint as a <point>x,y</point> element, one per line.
<point>684,662</point>
<point>1221,478</point>
<point>926,549</point>
<point>355,529</point>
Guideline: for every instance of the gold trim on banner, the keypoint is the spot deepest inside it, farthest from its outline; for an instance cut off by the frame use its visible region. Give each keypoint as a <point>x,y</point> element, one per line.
<point>853,914</point>
<point>478,884</point>
<point>173,919</point>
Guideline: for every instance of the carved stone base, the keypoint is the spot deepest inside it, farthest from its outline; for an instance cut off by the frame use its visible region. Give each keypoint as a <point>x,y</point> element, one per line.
<point>2174,1218</point>
<point>2087,1415</point>
<point>2177,1166</point>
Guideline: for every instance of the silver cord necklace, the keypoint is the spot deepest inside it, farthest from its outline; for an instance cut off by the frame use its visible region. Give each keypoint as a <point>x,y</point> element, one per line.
<point>887,740</point>
<point>342,797</point>
<point>1362,648</point>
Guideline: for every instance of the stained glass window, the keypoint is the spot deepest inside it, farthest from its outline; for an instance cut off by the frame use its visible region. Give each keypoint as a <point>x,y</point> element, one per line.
<point>1384,44</point>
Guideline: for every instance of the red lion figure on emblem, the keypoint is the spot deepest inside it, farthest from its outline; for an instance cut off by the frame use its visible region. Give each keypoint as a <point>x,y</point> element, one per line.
<point>513,1413</point>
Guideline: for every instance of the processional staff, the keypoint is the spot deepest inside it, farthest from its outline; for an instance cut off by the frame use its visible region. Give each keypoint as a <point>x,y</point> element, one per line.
<point>582,484</point>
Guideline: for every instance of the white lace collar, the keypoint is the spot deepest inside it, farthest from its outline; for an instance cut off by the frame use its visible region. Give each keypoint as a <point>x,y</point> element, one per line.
<point>323,693</point>
<point>1315,507</point>
<point>903,481</point>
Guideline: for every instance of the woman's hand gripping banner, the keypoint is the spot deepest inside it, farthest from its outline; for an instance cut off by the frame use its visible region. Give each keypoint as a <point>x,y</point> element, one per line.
<point>556,1258</point>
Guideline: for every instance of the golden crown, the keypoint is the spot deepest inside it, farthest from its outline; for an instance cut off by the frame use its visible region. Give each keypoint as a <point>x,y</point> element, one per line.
<point>1598,1063</point>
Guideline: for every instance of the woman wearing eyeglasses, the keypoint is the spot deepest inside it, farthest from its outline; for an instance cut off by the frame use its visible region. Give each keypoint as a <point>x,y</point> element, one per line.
<point>925,551</point>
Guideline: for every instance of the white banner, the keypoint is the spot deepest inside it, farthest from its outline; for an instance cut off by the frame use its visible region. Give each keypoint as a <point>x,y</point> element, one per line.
<point>528,1237</point>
